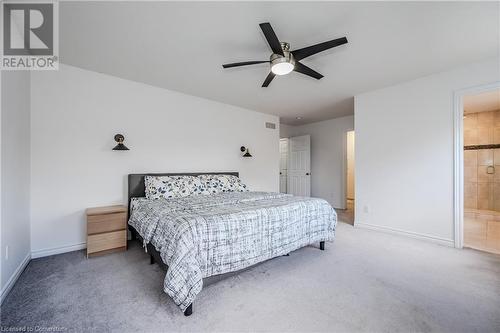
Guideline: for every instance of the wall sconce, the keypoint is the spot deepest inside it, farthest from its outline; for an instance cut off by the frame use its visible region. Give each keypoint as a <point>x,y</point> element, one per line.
<point>119,138</point>
<point>247,152</point>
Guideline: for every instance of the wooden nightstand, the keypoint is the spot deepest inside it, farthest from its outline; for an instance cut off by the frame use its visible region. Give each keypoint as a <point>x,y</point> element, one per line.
<point>106,230</point>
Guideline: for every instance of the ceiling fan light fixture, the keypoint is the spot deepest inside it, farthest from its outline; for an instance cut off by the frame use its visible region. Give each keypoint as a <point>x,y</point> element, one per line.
<point>282,65</point>
<point>282,68</point>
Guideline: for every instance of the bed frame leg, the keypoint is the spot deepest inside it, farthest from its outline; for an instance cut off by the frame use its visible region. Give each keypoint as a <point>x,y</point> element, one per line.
<point>189,310</point>
<point>151,259</point>
<point>322,245</point>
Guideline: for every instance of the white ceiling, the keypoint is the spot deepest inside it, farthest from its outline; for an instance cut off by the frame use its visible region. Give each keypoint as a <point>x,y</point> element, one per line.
<point>487,101</point>
<point>181,46</point>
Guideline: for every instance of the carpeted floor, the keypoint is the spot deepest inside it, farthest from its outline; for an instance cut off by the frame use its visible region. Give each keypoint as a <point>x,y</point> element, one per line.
<point>364,281</point>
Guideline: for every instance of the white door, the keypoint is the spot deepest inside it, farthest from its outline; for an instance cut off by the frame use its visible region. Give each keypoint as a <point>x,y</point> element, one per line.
<point>283,164</point>
<point>299,165</point>
<point>350,165</point>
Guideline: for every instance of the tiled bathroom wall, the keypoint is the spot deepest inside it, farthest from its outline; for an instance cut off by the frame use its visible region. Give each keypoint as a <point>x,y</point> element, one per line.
<point>482,166</point>
<point>482,128</point>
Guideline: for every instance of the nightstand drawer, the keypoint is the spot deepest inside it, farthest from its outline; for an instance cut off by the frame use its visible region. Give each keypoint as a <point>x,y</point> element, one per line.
<point>97,224</point>
<point>106,241</point>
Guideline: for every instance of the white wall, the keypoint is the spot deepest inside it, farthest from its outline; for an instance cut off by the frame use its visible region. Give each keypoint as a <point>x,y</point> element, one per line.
<point>286,130</point>
<point>328,148</point>
<point>15,176</point>
<point>404,152</point>
<point>76,113</point>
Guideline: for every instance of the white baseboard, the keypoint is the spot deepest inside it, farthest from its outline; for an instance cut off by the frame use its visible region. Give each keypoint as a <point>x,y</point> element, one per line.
<point>8,286</point>
<point>411,234</point>
<point>57,250</point>
<point>34,255</point>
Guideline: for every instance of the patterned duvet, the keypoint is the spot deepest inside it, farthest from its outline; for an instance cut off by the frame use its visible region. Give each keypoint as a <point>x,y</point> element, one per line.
<point>204,235</point>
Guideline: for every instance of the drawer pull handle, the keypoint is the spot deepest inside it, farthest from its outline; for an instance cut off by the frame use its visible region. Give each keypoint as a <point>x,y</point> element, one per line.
<point>490,170</point>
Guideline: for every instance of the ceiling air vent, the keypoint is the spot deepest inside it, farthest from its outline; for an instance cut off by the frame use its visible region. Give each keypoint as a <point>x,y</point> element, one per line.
<point>271,125</point>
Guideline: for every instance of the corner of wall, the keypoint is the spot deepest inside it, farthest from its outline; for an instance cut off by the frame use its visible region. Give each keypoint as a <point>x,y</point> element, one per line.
<point>15,184</point>
<point>13,278</point>
<point>29,158</point>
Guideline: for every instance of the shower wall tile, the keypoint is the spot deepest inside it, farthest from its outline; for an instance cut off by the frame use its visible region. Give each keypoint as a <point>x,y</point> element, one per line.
<point>485,157</point>
<point>485,119</point>
<point>496,197</point>
<point>470,197</point>
<point>496,134</point>
<point>470,174</point>
<point>482,128</point>
<point>483,196</point>
<point>483,176</point>
<point>470,120</point>
<point>496,175</point>
<point>470,158</point>
<point>487,215</point>
<point>496,156</point>
<point>491,201</point>
<point>469,214</point>
<point>484,135</point>
<point>496,118</point>
<point>470,137</point>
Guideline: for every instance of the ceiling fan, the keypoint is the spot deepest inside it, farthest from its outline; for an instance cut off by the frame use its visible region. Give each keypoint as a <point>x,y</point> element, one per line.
<point>284,61</point>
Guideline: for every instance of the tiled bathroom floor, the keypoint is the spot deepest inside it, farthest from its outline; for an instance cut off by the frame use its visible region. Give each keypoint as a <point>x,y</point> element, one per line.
<point>482,230</point>
<point>347,215</point>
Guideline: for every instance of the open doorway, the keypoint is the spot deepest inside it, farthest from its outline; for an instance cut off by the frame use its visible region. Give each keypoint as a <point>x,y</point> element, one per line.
<point>347,215</point>
<point>350,170</point>
<point>283,165</point>
<point>481,176</point>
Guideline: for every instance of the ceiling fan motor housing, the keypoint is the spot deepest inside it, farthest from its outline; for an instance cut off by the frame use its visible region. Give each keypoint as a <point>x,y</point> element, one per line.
<point>286,57</point>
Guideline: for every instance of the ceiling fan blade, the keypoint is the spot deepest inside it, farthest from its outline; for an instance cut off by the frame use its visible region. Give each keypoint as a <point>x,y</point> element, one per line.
<point>301,68</point>
<point>245,63</point>
<point>313,49</point>
<point>273,41</point>
<point>268,79</point>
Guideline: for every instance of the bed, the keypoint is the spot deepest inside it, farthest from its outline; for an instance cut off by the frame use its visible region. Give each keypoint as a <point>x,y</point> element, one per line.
<point>201,238</point>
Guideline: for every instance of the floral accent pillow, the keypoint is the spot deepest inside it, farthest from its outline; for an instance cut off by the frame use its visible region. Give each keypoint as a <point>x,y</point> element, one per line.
<point>212,183</point>
<point>158,187</point>
<point>222,183</point>
<point>232,184</point>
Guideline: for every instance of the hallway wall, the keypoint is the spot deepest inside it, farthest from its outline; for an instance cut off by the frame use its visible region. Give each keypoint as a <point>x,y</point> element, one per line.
<point>328,148</point>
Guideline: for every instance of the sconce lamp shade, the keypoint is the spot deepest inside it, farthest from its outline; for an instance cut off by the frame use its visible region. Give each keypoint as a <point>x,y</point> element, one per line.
<point>247,152</point>
<point>119,138</point>
<point>120,146</point>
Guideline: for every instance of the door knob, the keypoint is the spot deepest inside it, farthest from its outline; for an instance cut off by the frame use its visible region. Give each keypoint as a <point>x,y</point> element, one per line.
<point>307,173</point>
